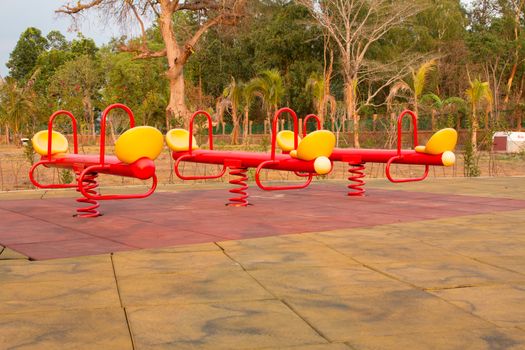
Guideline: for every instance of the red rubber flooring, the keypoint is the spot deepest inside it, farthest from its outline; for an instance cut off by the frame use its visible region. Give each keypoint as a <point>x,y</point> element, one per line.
<point>46,229</point>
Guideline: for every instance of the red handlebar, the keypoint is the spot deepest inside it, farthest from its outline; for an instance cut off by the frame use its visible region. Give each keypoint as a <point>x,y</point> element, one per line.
<point>274,128</point>
<point>103,125</point>
<point>50,131</point>
<point>399,155</point>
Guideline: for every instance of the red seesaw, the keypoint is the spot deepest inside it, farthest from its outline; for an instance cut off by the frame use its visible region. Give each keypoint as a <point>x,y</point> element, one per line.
<point>135,150</point>
<point>438,151</point>
<point>309,157</point>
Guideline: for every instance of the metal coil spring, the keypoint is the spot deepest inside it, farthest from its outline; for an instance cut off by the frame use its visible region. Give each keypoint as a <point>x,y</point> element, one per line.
<point>90,184</point>
<point>356,187</point>
<point>241,199</point>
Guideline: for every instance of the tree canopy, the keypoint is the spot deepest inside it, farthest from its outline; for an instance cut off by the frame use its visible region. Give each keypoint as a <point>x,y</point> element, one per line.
<point>277,53</point>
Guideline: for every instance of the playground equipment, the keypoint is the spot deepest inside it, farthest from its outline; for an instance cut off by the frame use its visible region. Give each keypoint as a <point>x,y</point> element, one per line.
<point>135,151</point>
<point>307,157</point>
<point>437,151</point>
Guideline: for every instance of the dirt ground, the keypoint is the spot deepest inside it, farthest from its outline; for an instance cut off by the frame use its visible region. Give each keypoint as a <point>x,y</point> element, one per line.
<point>15,164</point>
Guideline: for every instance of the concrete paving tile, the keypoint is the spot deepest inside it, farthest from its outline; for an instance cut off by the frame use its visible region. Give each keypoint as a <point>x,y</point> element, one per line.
<point>70,248</point>
<point>483,246</point>
<point>65,329</point>
<point>379,231</point>
<point>306,253</point>
<point>481,339</point>
<point>244,325</point>
<point>10,254</point>
<point>205,286</point>
<point>146,262</point>
<point>334,281</point>
<point>19,297</point>
<point>91,267</point>
<point>503,187</point>
<point>387,250</point>
<point>502,305</point>
<point>263,242</point>
<point>382,313</point>
<point>331,346</point>
<point>514,262</point>
<point>449,273</point>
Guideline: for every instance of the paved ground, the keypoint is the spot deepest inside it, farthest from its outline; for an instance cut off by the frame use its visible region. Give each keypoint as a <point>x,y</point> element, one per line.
<point>449,274</point>
<point>46,229</point>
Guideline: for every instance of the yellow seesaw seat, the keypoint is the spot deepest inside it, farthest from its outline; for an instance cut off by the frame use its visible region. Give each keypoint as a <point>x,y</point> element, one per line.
<point>317,146</point>
<point>179,140</point>
<point>285,140</point>
<point>442,141</point>
<point>59,143</point>
<point>139,142</point>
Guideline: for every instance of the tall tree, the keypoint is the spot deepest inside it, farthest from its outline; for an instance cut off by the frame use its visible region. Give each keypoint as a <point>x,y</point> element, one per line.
<point>179,43</point>
<point>16,107</point>
<point>234,93</point>
<point>316,86</point>
<point>22,59</point>
<point>415,86</point>
<point>477,94</point>
<point>355,26</point>
<point>444,105</point>
<point>76,84</point>
<point>269,87</point>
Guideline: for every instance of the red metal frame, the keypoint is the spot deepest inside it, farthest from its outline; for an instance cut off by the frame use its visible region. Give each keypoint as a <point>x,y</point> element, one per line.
<point>50,131</point>
<point>356,158</point>
<point>273,161</point>
<point>243,160</point>
<point>87,167</point>
<point>305,123</point>
<point>189,156</point>
<point>103,126</point>
<point>399,156</point>
<point>49,159</point>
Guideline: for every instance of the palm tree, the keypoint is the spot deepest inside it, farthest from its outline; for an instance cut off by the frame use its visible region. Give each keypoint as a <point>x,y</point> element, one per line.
<point>16,106</point>
<point>441,105</point>
<point>269,86</point>
<point>415,86</point>
<point>479,92</point>
<point>316,86</point>
<point>234,93</point>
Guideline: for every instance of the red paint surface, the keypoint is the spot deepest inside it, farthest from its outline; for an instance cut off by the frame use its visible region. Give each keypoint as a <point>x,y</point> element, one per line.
<point>45,229</point>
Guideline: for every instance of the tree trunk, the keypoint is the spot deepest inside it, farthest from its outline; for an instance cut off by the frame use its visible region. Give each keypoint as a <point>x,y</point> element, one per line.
<point>7,138</point>
<point>351,109</point>
<point>474,131</point>
<point>235,131</point>
<point>176,106</point>
<point>245,126</point>
<point>269,120</point>
<point>321,109</point>
<point>90,115</point>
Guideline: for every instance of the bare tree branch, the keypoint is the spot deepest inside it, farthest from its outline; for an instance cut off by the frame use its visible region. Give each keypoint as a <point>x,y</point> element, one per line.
<point>70,10</point>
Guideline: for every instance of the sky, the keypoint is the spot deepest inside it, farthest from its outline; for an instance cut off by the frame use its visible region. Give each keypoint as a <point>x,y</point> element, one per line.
<point>17,15</point>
